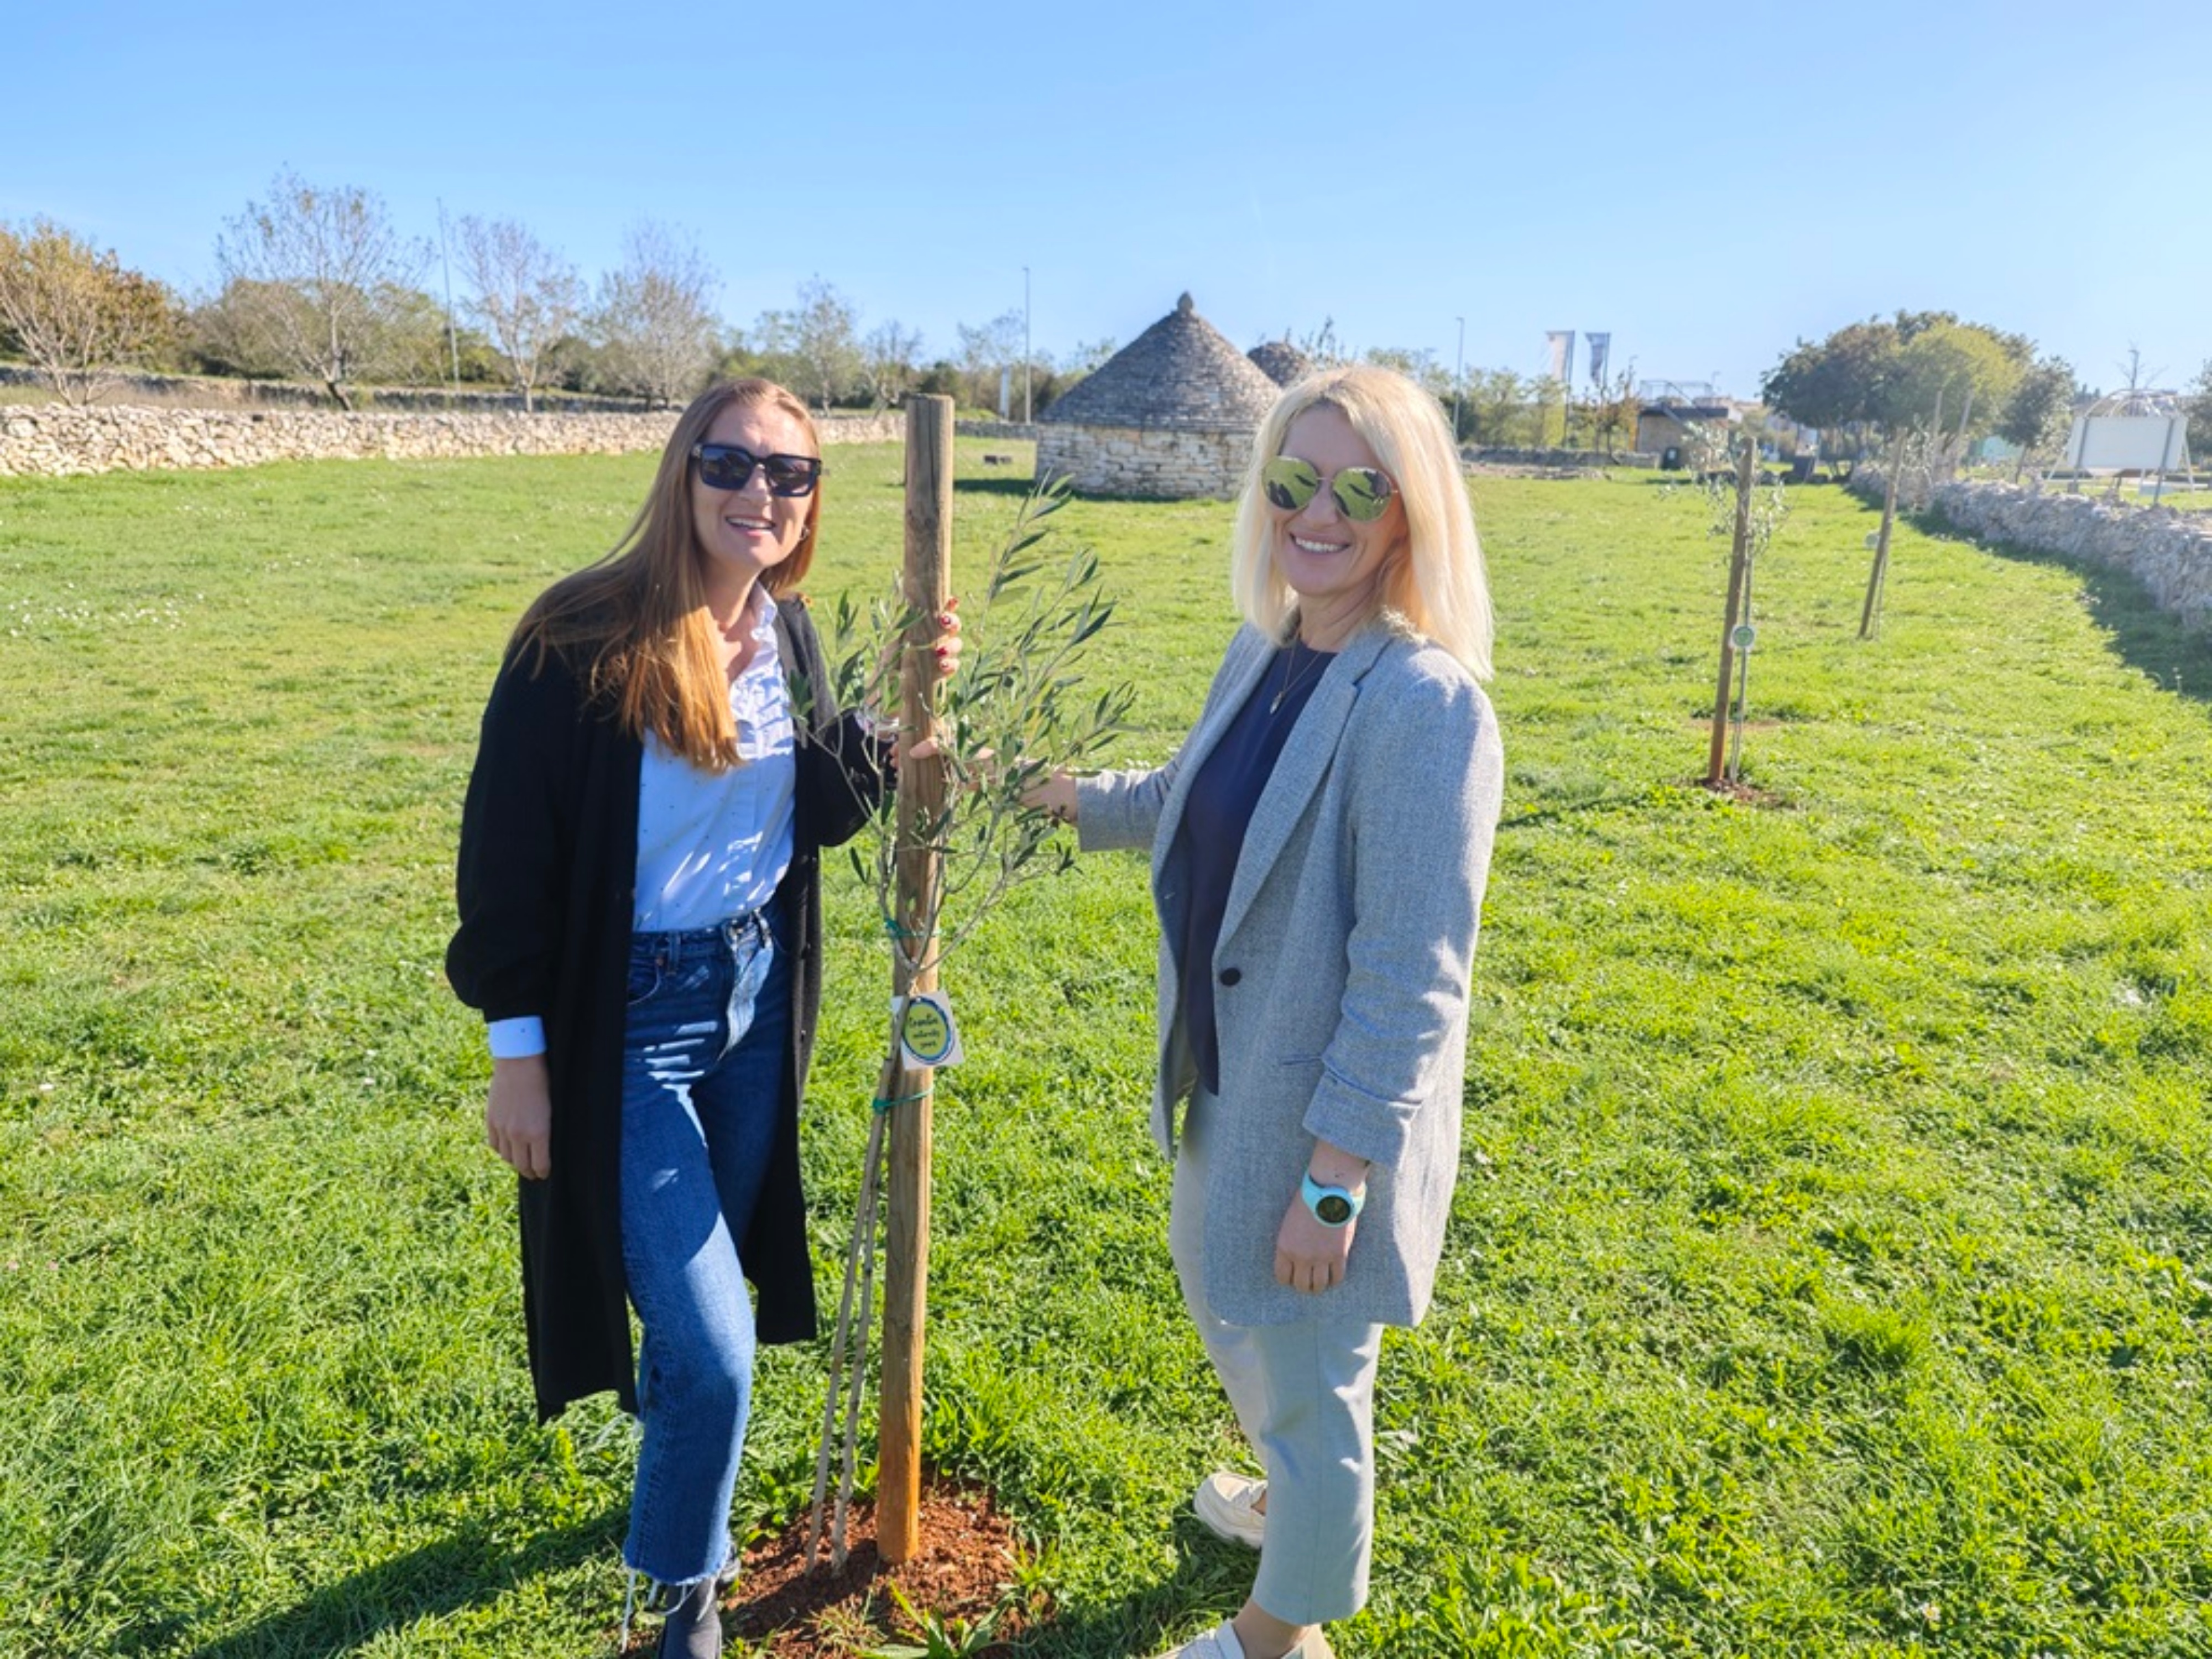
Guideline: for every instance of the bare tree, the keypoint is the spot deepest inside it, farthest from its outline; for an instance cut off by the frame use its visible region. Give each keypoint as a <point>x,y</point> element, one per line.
<point>527,296</point>
<point>889,357</point>
<point>1323,347</point>
<point>827,338</point>
<point>1612,405</point>
<point>315,274</point>
<point>814,345</point>
<point>985,353</point>
<point>656,328</point>
<point>1089,355</point>
<point>1418,365</point>
<point>75,312</point>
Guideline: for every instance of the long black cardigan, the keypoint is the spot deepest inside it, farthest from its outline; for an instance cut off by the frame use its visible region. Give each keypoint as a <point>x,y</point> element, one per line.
<point>547,868</point>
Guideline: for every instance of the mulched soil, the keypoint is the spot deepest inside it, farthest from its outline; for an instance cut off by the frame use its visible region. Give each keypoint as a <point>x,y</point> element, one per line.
<point>964,1569</point>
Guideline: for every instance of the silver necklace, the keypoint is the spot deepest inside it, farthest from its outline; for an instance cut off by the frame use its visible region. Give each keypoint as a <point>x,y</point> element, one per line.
<point>1292,675</point>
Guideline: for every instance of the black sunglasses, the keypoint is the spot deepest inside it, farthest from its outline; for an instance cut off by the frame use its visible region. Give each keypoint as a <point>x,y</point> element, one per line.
<point>1363,493</point>
<point>725,466</point>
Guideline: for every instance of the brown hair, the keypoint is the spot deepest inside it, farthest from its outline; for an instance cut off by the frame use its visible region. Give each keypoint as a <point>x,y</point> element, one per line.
<point>636,621</point>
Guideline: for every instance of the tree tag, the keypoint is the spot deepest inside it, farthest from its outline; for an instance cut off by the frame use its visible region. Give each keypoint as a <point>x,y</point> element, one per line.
<point>926,1035</point>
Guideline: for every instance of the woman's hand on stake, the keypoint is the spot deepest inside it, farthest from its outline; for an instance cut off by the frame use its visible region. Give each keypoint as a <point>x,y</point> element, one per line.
<point>944,653</point>
<point>519,1116</point>
<point>944,650</point>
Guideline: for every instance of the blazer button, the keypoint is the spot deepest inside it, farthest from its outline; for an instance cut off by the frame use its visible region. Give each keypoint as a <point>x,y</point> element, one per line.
<point>1230,975</point>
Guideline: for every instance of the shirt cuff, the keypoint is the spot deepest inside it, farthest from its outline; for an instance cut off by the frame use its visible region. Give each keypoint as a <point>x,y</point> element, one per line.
<point>517,1038</point>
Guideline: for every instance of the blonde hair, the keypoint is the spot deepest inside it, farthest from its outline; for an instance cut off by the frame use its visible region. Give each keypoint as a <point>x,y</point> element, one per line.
<point>636,621</point>
<point>1434,579</point>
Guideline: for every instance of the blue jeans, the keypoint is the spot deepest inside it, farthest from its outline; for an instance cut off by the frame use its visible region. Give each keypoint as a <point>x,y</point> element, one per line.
<point>704,1050</point>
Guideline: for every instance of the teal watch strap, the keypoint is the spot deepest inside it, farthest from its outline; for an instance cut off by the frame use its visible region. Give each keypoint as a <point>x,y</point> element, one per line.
<point>1333,1207</point>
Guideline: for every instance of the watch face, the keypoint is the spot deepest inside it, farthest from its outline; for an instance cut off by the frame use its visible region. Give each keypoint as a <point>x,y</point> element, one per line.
<point>1335,1209</point>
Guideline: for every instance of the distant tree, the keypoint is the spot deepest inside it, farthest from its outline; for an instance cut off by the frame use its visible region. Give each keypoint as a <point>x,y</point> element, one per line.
<point>1323,347</point>
<point>2198,406</point>
<point>741,358</point>
<point>819,338</point>
<point>656,329</point>
<point>2037,414</point>
<point>410,347</point>
<point>1497,407</point>
<point>311,276</point>
<point>888,361</point>
<point>986,354</point>
<point>527,296</point>
<point>1958,371</point>
<point>1911,324</point>
<point>1892,372</point>
<point>1421,366</point>
<point>573,363</point>
<point>227,334</point>
<point>1087,355</point>
<point>1549,413</point>
<point>1612,407</point>
<point>75,313</point>
<point>942,378</point>
<point>1841,382</point>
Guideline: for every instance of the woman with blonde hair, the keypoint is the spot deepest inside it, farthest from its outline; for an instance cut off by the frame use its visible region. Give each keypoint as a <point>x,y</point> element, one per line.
<point>662,760</point>
<point>1320,847</point>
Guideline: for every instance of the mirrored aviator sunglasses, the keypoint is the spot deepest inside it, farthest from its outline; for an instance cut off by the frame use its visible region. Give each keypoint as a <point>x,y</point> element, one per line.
<point>1362,493</point>
<point>725,466</point>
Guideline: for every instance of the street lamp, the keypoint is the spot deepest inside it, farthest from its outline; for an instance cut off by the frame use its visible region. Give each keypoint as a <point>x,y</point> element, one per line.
<point>1026,345</point>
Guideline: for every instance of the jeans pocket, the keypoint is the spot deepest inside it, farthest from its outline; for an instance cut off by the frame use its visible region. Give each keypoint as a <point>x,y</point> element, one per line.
<point>644,980</point>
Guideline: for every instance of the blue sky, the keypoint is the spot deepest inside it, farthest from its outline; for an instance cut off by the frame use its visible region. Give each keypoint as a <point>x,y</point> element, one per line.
<point>1709,184</point>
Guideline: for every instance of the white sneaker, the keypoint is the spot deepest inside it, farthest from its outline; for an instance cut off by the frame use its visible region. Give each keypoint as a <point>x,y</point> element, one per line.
<point>1220,1643</point>
<point>1228,1504</point>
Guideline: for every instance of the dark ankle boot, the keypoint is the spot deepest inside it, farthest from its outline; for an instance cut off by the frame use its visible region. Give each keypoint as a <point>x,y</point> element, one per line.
<point>693,1629</point>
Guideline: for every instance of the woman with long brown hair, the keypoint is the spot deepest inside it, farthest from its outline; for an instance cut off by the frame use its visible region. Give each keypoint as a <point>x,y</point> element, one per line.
<point>662,761</point>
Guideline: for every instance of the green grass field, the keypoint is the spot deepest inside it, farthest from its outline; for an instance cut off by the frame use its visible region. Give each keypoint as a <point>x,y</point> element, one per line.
<point>1833,1257</point>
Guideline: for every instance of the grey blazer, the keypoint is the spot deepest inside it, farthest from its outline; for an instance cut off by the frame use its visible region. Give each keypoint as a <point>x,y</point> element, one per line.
<point>1340,979</point>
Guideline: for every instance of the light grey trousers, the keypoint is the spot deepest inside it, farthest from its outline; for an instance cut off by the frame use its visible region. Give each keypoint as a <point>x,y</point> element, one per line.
<point>1304,1395</point>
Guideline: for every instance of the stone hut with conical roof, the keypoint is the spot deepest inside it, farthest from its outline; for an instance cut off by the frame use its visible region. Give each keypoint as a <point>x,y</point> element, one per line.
<point>1281,361</point>
<point>1172,414</point>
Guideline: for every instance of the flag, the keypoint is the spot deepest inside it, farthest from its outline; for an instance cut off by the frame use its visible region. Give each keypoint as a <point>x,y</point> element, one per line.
<point>1600,346</point>
<point>1561,343</point>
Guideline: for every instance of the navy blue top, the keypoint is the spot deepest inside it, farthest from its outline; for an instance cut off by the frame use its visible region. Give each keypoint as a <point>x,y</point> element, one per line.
<point>1228,787</point>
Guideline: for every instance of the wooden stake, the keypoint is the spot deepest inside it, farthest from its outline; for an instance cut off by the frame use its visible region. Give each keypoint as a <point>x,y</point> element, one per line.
<point>1880,567</point>
<point>920,804</point>
<point>1739,565</point>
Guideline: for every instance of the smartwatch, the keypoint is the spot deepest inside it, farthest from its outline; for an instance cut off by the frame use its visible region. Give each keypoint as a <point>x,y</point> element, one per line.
<point>1333,1207</point>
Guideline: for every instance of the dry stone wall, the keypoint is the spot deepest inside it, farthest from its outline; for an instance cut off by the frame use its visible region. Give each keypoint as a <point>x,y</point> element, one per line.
<point>1577,459</point>
<point>2170,553</point>
<point>53,440</point>
<point>1112,460</point>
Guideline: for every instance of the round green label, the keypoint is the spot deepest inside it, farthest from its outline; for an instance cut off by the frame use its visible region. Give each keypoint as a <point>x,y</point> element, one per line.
<point>925,1030</point>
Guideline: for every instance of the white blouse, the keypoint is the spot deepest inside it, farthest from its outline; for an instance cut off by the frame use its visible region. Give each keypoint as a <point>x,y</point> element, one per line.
<point>710,845</point>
